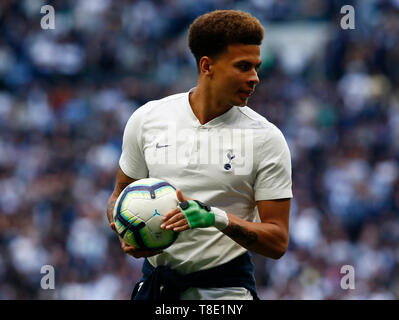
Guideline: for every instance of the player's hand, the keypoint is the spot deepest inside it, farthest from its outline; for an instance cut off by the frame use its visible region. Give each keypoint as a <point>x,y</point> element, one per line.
<point>132,250</point>
<point>175,220</point>
<point>191,214</point>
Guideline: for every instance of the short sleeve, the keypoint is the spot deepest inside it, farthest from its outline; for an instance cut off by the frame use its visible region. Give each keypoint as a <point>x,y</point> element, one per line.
<point>273,177</point>
<point>132,161</point>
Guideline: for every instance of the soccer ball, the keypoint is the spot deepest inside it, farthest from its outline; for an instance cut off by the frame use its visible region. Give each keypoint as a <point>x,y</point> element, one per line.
<point>139,210</point>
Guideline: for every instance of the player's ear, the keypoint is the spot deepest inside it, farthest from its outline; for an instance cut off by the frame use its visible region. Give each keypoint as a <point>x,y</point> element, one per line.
<point>206,66</point>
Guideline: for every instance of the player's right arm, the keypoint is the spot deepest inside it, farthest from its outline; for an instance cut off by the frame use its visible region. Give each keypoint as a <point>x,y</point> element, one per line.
<point>122,181</point>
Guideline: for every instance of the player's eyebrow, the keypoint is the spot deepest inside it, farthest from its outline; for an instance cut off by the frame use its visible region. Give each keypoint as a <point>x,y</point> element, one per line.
<point>257,66</point>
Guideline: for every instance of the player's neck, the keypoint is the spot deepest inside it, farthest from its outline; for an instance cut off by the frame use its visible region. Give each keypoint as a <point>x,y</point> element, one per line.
<point>205,106</point>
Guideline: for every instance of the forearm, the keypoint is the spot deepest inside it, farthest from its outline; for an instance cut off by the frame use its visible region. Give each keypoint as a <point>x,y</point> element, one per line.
<point>267,239</point>
<point>122,181</point>
<point>110,208</point>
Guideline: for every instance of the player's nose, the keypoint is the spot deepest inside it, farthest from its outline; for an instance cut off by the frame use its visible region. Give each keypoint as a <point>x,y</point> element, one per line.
<point>253,79</point>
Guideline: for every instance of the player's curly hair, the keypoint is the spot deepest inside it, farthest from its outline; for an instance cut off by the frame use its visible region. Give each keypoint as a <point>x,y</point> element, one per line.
<point>211,33</point>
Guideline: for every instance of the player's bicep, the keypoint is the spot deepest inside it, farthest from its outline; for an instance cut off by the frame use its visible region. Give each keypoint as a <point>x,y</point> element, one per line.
<point>132,160</point>
<point>276,212</point>
<point>122,181</point>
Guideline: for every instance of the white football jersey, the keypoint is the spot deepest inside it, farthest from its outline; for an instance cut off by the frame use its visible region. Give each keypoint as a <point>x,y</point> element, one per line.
<point>230,162</point>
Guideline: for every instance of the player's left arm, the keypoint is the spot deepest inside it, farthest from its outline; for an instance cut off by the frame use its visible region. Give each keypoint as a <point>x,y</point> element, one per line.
<point>269,237</point>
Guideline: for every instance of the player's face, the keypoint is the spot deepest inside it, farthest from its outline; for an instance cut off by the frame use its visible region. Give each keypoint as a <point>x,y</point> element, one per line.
<point>235,74</point>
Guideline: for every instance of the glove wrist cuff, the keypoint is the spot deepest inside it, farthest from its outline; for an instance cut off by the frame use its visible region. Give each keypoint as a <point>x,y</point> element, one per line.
<point>221,219</point>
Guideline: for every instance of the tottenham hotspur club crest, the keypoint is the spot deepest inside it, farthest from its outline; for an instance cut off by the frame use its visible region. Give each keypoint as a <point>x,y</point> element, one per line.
<point>230,156</point>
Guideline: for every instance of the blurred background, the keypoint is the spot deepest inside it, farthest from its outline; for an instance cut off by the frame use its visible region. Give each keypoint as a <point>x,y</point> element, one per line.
<point>66,95</point>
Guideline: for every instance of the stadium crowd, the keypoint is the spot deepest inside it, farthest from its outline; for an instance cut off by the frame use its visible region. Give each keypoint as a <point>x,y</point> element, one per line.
<point>65,97</point>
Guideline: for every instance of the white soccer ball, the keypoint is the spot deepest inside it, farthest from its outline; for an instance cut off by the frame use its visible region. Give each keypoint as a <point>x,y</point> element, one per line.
<point>139,210</point>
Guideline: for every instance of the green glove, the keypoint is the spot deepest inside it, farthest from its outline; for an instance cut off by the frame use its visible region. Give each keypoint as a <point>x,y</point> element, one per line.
<point>201,215</point>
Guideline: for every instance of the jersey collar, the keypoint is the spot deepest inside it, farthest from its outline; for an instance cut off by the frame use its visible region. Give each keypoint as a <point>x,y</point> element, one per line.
<point>218,121</point>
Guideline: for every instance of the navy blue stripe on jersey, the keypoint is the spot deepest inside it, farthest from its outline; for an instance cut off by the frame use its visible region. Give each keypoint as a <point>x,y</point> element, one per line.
<point>238,272</point>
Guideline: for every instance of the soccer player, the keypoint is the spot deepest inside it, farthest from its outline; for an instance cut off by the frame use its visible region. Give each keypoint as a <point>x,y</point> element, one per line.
<point>231,168</point>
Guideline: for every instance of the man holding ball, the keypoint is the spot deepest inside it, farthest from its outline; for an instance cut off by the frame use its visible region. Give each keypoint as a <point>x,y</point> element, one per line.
<point>224,212</point>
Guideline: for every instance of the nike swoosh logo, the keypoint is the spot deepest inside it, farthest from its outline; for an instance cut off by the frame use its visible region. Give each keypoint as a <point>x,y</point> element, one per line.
<point>162,146</point>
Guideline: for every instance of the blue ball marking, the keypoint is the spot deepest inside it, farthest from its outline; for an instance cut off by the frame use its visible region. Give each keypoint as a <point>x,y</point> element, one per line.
<point>227,166</point>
